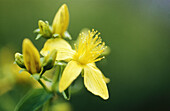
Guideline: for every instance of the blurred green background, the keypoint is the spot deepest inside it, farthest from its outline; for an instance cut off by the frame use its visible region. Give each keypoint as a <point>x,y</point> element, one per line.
<point>137,31</point>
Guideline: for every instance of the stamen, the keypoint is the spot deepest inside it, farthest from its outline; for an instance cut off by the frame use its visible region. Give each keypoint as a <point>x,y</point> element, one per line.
<point>75,47</point>
<point>89,48</point>
<point>99,59</point>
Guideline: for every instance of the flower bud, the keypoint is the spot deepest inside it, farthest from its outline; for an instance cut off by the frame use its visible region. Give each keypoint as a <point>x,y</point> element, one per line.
<point>44,28</point>
<point>49,60</point>
<point>31,57</point>
<point>19,60</point>
<point>106,51</point>
<point>61,20</point>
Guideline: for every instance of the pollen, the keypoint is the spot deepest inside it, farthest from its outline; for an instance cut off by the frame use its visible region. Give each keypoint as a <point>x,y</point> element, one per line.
<point>89,48</point>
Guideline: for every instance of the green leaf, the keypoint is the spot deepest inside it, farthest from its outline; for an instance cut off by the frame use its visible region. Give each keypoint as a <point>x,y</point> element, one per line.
<point>33,100</point>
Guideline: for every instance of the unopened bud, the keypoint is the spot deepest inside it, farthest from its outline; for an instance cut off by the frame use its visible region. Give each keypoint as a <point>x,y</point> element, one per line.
<point>31,57</point>
<point>61,20</point>
<point>106,51</point>
<point>19,60</point>
<point>49,60</point>
<point>44,28</point>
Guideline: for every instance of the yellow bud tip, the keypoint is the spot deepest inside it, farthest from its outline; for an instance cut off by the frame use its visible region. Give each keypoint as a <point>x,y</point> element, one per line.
<point>40,21</point>
<point>26,42</point>
<point>44,28</point>
<point>61,20</point>
<point>41,24</point>
<point>31,57</point>
<point>64,6</point>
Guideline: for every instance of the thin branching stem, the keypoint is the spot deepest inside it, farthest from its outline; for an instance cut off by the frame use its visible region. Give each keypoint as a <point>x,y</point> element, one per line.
<point>42,84</point>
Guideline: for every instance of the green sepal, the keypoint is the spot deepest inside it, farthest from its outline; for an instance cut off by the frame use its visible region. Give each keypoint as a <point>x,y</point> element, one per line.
<point>33,100</point>
<point>60,63</point>
<point>46,79</point>
<point>66,35</point>
<point>82,73</point>
<point>49,60</point>
<point>48,65</point>
<point>23,69</point>
<point>67,93</point>
<point>56,35</point>
<point>36,76</point>
<point>38,36</point>
<point>37,30</point>
<point>41,60</point>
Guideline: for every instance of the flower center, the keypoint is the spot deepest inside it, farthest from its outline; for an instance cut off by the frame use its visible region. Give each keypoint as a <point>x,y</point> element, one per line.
<point>89,48</point>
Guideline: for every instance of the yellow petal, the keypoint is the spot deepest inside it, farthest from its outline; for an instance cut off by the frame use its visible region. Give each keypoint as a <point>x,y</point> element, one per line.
<point>61,20</point>
<point>94,82</point>
<point>64,50</point>
<point>107,80</point>
<point>70,73</point>
<point>65,54</point>
<point>31,57</point>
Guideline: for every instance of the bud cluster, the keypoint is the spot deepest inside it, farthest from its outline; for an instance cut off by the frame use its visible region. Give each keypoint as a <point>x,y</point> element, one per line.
<point>30,60</point>
<point>68,63</point>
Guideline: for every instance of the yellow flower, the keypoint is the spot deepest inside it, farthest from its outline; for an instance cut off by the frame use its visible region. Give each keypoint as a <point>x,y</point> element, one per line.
<point>59,27</point>
<point>61,20</point>
<point>85,32</point>
<point>90,47</point>
<point>31,57</point>
<point>84,57</point>
<point>9,72</point>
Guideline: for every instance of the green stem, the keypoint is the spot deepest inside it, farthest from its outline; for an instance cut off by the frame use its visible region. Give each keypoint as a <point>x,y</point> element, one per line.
<point>54,88</point>
<point>61,71</point>
<point>43,71</point>
<point>46,79</point>
<point>42,84</point>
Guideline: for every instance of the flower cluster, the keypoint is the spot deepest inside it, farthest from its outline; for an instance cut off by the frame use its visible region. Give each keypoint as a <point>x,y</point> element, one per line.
<point>80,59</point>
